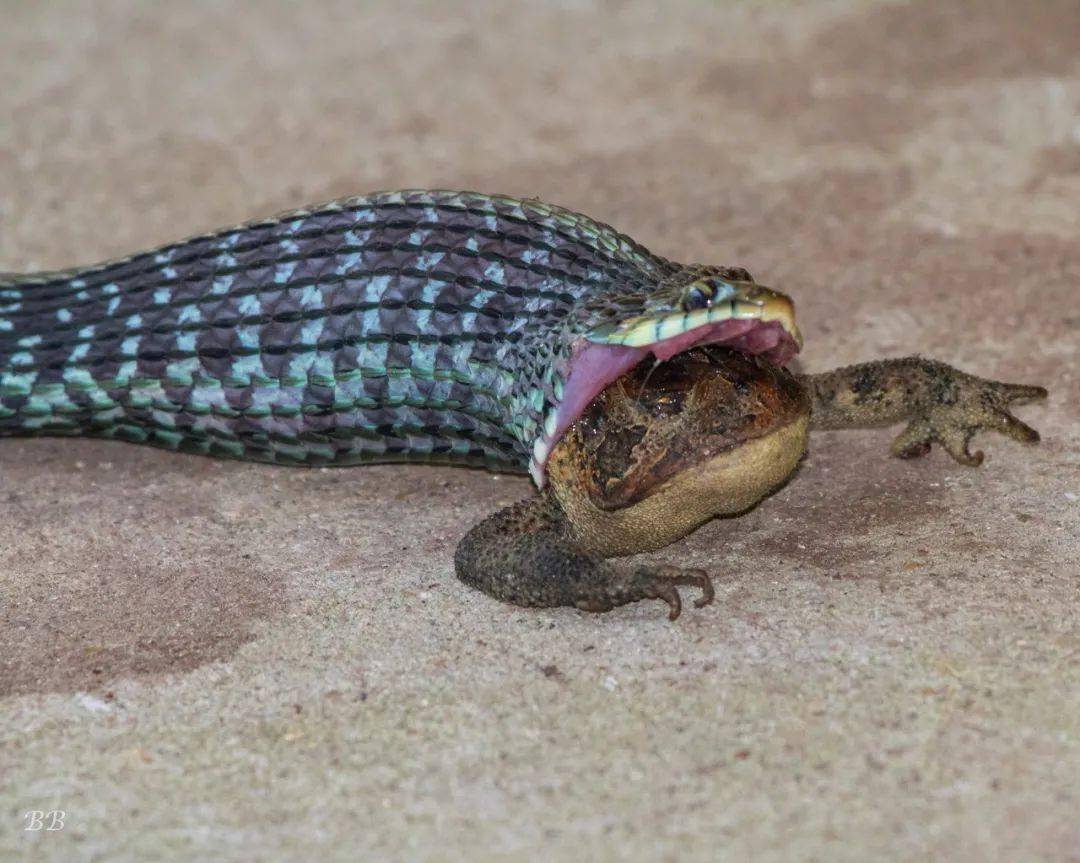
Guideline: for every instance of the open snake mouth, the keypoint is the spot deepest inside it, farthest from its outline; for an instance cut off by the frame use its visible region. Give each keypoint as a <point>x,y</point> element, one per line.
<point>766,329</point>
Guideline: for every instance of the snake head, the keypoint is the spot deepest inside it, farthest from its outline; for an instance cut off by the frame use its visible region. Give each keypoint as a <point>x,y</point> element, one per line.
<point>704,306</point>
<point>695,306</point>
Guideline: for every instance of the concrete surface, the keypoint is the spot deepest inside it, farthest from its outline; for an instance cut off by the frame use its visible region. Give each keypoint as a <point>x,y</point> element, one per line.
<point>207,660</point>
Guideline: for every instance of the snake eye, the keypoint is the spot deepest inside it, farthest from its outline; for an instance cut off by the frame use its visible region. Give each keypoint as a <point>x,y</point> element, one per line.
<point>696,298</point>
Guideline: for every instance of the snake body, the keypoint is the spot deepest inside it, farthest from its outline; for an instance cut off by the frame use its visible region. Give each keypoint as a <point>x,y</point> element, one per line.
<point>415,325</point>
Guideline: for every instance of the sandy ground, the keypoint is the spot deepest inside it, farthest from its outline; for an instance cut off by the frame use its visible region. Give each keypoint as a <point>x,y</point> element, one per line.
<point>204,660</point>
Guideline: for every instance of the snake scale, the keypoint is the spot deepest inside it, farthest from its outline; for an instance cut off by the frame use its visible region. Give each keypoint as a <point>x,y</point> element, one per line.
<point>416,325</point>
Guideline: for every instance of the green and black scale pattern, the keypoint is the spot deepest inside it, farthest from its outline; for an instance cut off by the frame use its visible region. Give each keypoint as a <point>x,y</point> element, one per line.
<point>415,325</point>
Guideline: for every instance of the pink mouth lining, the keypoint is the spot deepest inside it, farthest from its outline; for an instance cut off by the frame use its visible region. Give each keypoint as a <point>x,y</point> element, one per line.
<point>594,366</point>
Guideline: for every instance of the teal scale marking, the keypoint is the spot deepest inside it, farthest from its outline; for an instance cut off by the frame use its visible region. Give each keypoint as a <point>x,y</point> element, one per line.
<point>415,325</point>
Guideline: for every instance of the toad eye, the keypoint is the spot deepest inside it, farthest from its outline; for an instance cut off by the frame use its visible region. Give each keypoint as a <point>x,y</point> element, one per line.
<point>696,298</point>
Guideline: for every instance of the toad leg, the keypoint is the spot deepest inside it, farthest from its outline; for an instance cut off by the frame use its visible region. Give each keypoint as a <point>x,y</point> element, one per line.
<point>942,404</point>
<point>527,554</point>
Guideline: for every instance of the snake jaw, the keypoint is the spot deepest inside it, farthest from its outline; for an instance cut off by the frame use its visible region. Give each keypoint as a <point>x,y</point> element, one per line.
<point>738,301</point>
<point>750,318</point>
